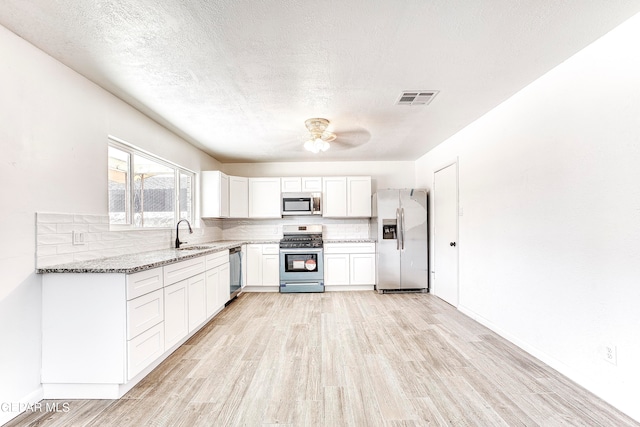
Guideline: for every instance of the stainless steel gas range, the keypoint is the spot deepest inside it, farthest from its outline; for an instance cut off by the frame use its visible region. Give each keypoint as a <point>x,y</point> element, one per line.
<point>301,259</point>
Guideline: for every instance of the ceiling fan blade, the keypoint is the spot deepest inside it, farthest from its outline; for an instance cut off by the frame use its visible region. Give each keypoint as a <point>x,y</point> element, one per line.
<point>352,139</point>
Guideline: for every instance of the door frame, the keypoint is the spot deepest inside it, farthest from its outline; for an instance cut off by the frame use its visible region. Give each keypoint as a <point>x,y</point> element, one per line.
<point>432,264</point>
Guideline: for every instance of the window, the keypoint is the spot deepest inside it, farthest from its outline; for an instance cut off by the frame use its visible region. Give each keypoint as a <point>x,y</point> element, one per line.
<point>146,191</point>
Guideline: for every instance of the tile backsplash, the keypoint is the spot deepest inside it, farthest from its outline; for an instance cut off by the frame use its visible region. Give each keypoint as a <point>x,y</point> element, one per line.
<point>55,242</point>
<point>266,229</point>
<point>55,231</point>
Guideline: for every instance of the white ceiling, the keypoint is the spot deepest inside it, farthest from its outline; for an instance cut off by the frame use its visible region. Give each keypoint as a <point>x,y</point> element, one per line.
<point>238,78</point>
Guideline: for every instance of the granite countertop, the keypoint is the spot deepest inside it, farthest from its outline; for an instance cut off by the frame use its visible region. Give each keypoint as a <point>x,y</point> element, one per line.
<point>132,263</point>
<point>349,240</point>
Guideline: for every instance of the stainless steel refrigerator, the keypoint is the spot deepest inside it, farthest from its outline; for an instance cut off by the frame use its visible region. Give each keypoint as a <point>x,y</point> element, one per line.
<point>400,225</point>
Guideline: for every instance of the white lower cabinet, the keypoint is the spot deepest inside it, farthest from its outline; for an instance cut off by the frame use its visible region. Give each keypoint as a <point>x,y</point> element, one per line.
<point>336,269</point>
<point>176,314</point>
<point>270,269</point>
<point>217,282</point>
<point>254,265</point>
<point>224,291</point>
<point>362,269</point>
<point>349,266</point>
<point>197,301</point>
<point>263,265</point>
<point>144,349</point>
<point>102,332</point>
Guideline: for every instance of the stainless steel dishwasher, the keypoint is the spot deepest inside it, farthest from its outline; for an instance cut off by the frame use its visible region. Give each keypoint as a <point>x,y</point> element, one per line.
<point>235,271</point>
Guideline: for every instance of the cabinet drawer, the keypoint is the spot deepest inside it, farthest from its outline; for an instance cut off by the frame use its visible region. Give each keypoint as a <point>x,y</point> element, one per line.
<point>144,349</point>
<point>271,249</point>
<point>144,312</point>
<point>174,273</point>
<point>144,282</point>
<point>217,259</point>
<point>349,248</point>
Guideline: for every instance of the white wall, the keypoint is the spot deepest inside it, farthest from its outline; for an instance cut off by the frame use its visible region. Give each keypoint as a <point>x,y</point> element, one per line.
<point>549,184</point>
<point>383,174</point>
<point>53,141</point>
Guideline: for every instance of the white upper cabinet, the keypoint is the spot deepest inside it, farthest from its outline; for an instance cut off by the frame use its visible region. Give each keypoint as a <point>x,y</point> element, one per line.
<point>264,198</point>
<point>334,197</point>
<point>215,194</point>
<point>291,185</point>
<point>312,184</point>
<point>359,196</point>
<point>346,196</point>
<point>238,197</point>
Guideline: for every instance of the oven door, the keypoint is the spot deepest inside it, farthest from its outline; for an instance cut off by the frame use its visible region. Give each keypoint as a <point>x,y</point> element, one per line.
<point>300,265</point>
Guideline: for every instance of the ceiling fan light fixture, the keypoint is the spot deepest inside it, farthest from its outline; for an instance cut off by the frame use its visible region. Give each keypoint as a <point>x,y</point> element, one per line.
<point>320,136</point>
<point>316,145</point>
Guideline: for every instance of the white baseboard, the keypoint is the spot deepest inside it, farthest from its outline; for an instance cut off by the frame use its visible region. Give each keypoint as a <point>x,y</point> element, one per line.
<point>333,288</point>
<point>535,352</point>
<point>10,410</point>
<point>554,363</point>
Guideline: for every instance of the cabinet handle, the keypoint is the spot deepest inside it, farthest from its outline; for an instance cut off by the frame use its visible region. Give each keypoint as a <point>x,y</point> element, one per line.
<point>452,243</point>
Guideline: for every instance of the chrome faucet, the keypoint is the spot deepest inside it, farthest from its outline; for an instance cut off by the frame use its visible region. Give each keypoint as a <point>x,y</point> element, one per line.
<point>178,242</point>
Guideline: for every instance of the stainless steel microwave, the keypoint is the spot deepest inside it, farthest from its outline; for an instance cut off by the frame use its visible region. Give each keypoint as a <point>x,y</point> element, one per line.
<point>301,204</point>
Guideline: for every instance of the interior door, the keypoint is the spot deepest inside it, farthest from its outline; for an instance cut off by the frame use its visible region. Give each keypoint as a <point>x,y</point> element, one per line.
<point>445,257</point>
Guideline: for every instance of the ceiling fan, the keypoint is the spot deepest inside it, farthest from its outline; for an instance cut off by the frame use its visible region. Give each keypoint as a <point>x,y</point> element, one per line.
<point>319,135</point>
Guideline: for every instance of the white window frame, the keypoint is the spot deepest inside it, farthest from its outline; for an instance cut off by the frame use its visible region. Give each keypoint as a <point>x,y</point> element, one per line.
<point>133,151</point>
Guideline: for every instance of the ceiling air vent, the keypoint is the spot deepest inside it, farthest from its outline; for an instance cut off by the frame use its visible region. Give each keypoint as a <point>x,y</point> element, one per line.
<point>417,97</point>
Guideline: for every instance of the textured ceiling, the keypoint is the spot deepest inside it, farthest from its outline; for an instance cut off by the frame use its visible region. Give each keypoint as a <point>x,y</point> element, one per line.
<point>238,78</point>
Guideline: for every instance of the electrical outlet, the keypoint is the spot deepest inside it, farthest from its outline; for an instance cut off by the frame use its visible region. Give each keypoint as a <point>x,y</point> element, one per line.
<point>78,238</point>
<point>610,354</point>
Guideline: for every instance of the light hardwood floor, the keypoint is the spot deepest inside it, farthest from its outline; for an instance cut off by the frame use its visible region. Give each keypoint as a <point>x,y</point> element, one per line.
<point>344,358</point>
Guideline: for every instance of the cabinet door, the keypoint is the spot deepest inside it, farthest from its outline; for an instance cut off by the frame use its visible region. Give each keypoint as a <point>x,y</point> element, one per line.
<point>238,197</point>
<point>176,316</point>
<point>312,184</point>
<point>254,265</point>
<point>264,198</point>
<point>336,269</point>
<point>224,196</point>
<point>291,185</point>
<point>197,301</point>
<point>215,194</point>
<point>224,291</point>
<point>212,280</point>
<point>334,197</point>
<point>144,349</point>
<point>271,270</point>
<point>362,269</point>
<point>359,196</point>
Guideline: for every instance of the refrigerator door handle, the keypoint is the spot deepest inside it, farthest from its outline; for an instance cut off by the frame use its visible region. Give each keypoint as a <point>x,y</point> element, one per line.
<point>402,229</point>
<point>398,231</point>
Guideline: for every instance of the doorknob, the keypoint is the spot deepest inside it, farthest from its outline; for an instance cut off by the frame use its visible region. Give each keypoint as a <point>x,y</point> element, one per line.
<point>452,243</point>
